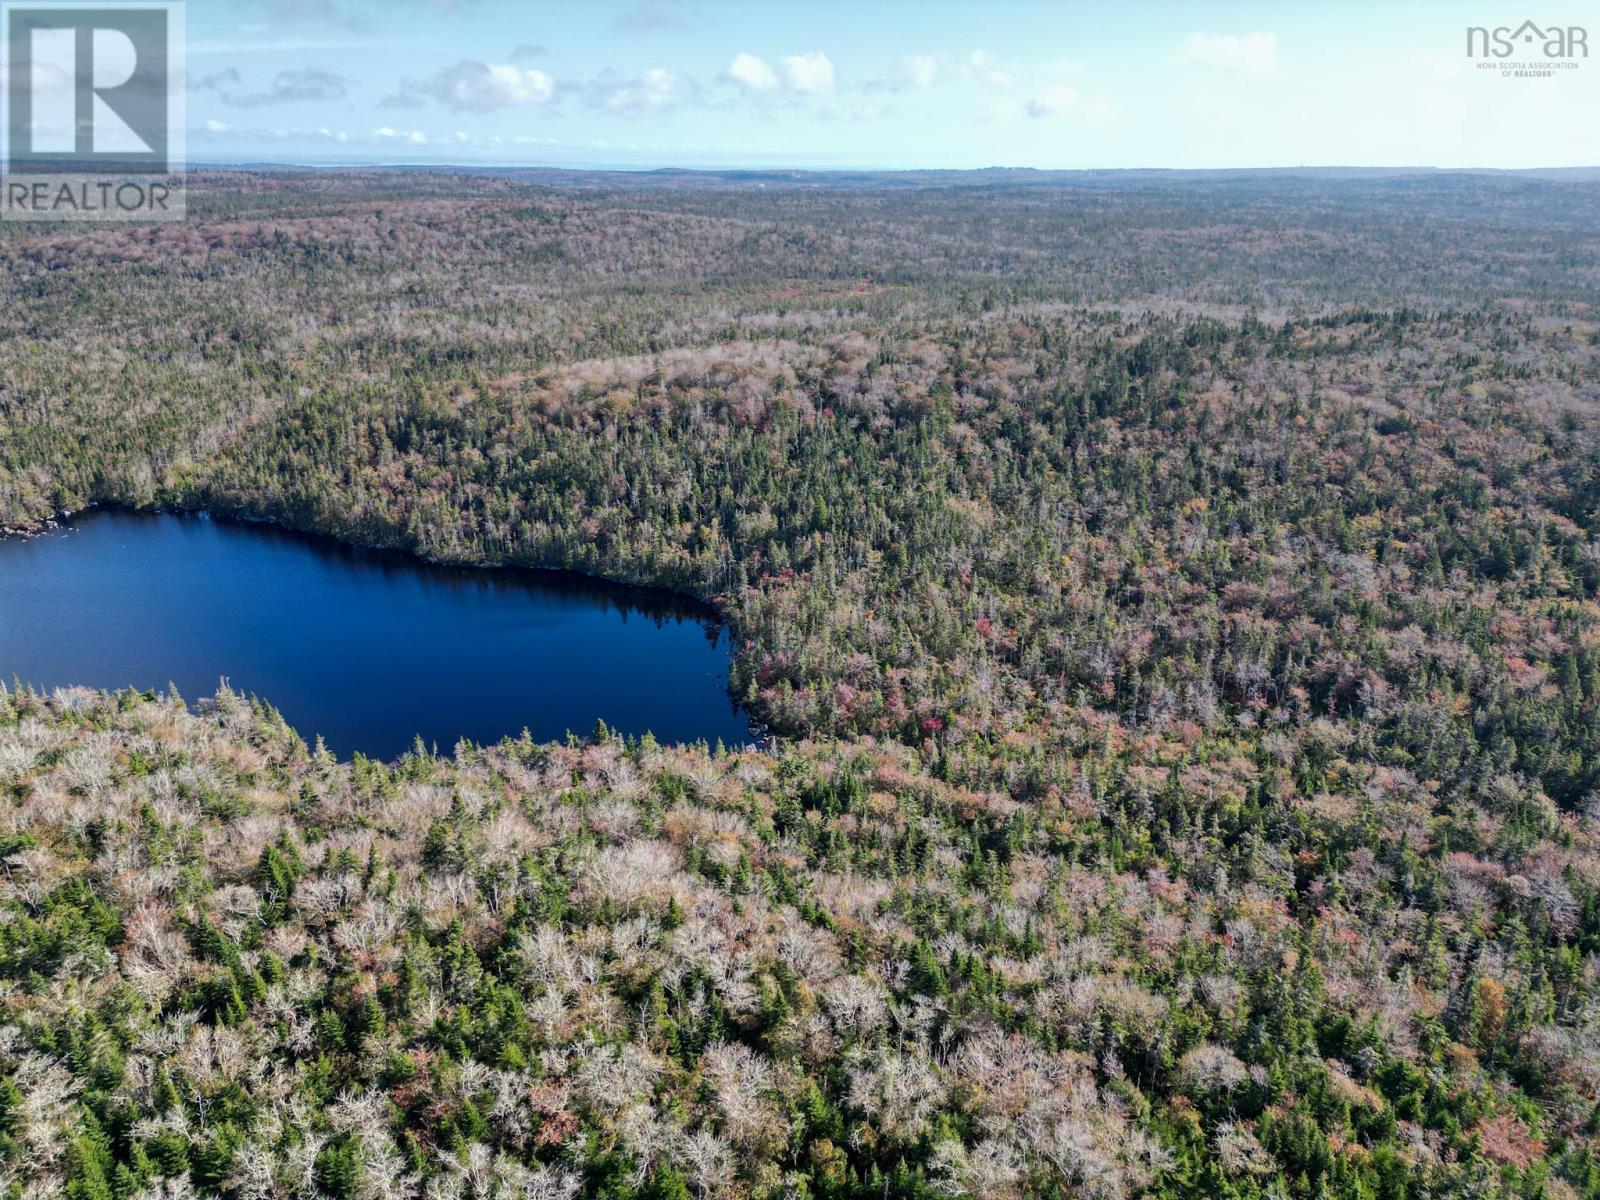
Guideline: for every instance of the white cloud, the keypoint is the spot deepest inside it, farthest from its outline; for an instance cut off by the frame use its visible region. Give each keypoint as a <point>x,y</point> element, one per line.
<point>1054,102</point>
<point>919,69</point>
<point>1059,100</point>
<point>655,90</point>
<point>239,134</point>
<point>910,72</point>
<point>471,86</point>
<point>388,134</point>
<point>985,68</point>
<point>312,84</point>
<point>751,73</point>
<point>1252,54</point>
<point>810,73</point>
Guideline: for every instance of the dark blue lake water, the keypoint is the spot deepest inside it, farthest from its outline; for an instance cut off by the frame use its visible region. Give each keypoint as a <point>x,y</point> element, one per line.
<point>367,648</point>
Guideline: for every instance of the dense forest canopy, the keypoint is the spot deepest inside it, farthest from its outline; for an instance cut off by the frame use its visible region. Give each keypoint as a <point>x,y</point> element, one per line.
<point>1174,601</point>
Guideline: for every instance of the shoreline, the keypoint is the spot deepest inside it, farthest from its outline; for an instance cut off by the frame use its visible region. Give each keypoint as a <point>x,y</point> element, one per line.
<point>713,610</point>
<point>762,735</point>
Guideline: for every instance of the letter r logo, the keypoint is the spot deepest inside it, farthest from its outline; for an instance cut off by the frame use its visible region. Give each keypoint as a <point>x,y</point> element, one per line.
<point>89,88</point>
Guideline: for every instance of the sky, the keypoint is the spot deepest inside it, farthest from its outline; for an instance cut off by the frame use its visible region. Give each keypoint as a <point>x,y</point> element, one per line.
<point>882,84</point>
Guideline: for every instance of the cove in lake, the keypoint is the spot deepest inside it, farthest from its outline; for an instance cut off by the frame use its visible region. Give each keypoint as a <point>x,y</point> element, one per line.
<point>367,648</point>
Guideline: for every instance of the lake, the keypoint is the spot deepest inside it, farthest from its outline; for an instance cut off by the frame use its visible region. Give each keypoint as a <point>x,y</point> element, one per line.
<point>367,648</point>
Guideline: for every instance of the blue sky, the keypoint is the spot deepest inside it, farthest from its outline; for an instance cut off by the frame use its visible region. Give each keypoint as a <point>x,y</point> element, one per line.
<point>880,83</point>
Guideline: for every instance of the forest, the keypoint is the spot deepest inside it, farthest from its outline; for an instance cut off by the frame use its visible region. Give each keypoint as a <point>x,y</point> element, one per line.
<point>1173,602</point>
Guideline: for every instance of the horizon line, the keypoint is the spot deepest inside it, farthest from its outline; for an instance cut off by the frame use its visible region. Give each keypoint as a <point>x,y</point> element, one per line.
<point>773,168</point>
